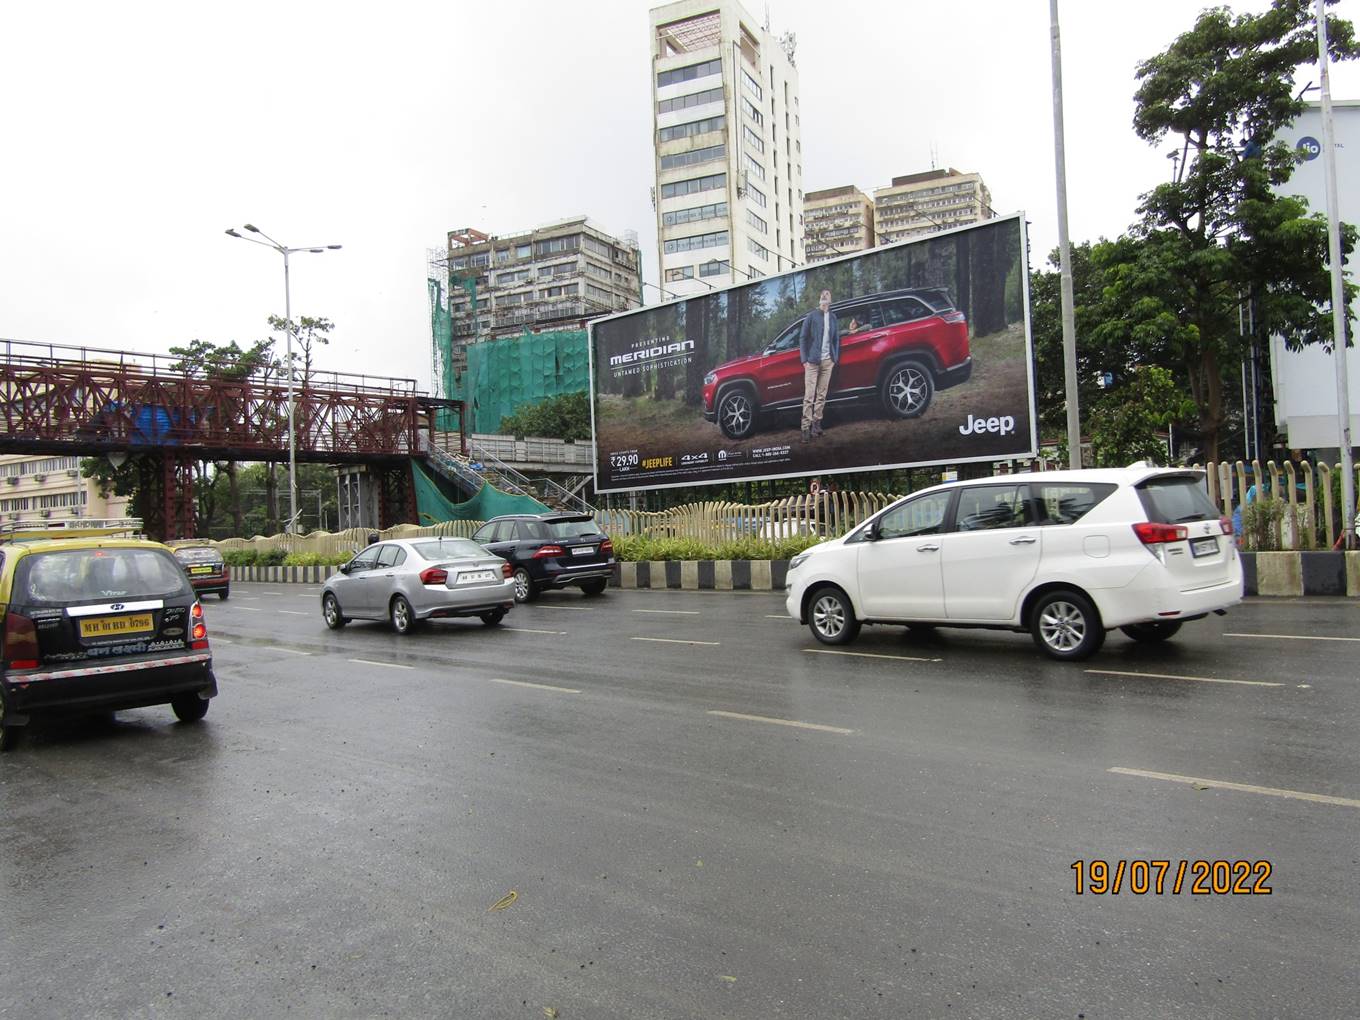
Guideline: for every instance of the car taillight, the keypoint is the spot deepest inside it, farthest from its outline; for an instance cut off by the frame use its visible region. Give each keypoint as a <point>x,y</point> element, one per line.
<point>954,316</point>
<point>1158,534</point>
<point>507,570</point>
<point>21,642</point>
<point>549,551</point>
<point>434,575</point>
<point>1226,524</point>
<point>226,570</point>
<point>200,629</point>
<point>606,548</point>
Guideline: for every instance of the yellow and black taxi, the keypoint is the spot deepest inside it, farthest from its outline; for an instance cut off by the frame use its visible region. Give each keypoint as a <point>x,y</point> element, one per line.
<point>207,569</point>
<point>95,619</point>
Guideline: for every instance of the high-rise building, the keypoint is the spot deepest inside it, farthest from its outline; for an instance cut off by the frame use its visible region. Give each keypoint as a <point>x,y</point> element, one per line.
<point>837,221</point>
<point>555,277</point>
<point>727,140</point>
<point>926,202</point>
<point>48,488</point>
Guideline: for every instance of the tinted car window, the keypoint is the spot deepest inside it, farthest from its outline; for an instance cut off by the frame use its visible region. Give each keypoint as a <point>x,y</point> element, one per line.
<point>983,507</point>
<point>1068,502</point>
<point>788,339</point>
<point>923,516</point>
<point>483,534</point>
<point>84,575</point>
<point>903,310</point>
<point>1176,499</point>
<point>390,555</point>
<point>505,531</point>
<point>447,548</point>
<point>572,529</point>
<point>365,560</point>
<point>856,320</point>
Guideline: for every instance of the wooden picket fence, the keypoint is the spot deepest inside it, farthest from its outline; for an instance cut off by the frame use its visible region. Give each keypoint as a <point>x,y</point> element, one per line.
<point>1309,516</point>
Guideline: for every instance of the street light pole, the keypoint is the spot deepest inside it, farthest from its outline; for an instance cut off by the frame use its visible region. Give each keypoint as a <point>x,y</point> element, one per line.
<point>285,251</point>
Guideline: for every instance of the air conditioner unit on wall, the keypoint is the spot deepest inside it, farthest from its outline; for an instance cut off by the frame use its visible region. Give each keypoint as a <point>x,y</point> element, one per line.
<point>72,473</point>
<point>12,479</point>
<point>44,513</point>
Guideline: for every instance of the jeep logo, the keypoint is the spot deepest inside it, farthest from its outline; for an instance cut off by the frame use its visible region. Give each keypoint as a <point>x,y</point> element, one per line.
<point>1004,425</point>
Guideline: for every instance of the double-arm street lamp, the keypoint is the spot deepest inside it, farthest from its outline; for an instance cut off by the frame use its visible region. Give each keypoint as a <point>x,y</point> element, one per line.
<point>285,251</point>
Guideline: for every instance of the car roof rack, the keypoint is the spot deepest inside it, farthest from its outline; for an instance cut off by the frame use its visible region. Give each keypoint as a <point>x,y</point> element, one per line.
<point>76,527</point>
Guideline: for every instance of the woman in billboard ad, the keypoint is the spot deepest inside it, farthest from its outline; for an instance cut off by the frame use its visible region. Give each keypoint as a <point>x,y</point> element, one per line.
<point>899,357</point>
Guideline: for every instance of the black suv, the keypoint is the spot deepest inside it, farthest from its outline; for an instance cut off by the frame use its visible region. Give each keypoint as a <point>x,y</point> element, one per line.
<point>552,550</point>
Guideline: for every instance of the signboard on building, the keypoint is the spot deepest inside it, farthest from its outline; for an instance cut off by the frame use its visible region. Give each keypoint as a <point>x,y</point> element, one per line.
<point>922,357</point>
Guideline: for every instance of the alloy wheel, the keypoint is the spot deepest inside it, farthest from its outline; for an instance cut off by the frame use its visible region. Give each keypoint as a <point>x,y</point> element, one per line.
<point>1063,626</point>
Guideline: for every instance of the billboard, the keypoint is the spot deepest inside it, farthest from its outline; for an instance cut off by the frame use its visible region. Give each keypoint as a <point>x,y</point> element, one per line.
<point>919,355</point>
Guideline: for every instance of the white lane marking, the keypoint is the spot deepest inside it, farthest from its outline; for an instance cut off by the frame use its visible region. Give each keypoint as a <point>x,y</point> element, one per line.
<point>670,612</point>
<point>222,641</point>
<point>250,609</point>
<point>1173,676</point>
<point>272,593</point>
<point>779,616</point>
<point>290,651</point>
<point>530,630</point>
<point>249,598</point>
<point>1294,637</point>
<point>384,665</point>
<point>541,687</point>
<point>783,722</point>
<point>574,609</point>
<point>310,596</point>
<point>674,641</point>
<point>291,612</point>
<point>1219,784</point>
<point>870,655</point>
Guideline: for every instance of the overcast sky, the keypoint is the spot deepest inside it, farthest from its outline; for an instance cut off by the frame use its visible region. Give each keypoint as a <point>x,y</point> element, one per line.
<point>134,134</point>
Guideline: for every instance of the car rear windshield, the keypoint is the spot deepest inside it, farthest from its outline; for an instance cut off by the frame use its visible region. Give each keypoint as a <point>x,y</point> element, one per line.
<point>448,548</point>
<point>198,554</point>
<point>1175,499</point>
<point>88,575</point>
<point>561,530</point>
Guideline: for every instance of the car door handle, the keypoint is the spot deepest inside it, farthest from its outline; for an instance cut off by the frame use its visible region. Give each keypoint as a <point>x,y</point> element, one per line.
<point>1024,540</point>
<point>929,547</point>
<point>875,336</point>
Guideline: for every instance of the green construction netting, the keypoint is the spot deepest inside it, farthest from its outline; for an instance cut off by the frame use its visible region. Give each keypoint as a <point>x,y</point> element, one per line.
<point>504,375</point>
<point>434,507</point>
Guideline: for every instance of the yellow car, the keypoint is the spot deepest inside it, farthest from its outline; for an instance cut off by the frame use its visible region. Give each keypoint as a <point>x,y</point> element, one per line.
<point>94,620</point>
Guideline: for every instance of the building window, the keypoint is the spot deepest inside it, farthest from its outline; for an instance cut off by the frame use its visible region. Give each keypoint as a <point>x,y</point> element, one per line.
<point>693,185</point>
<point>713,268</point>
<point>523,251</point>
<point>556,244</point>
<point>682,273</point>
<point>757,222</point>
<point>481,261</point>
<point>717,210</point>
<point>713,240</point>
<point>693,156</point>
<point>564,290</point>
<point>756,195</point>
<point>598,247</point>
<point>693,99</point>
<point>752,139</point>
<point>513,299</point>
<point>752,86</point>
<point>676,75</point>
<point>752,111</point>
<point>691,128</point>
<point>757,249</point>
<point>753,165</point>
<point>560,269</point>
<point>507,279</point>
<point>600,295</point>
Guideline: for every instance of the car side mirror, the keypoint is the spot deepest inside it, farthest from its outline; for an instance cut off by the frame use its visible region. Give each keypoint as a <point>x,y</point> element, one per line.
<point>871,533</point>
<point>345,568</point>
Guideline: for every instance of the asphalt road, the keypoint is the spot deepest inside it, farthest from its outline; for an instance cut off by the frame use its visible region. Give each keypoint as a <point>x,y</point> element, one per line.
<point>700,812</point>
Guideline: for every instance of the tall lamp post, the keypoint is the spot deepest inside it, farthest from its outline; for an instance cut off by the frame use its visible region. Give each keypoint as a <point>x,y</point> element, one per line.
<point>285,251</point>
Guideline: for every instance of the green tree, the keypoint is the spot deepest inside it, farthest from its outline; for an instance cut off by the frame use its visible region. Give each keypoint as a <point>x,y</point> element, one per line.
<point>1124,422</point>
<point>566,416</point>
<point>307,333</point>
<point>1220,233</point>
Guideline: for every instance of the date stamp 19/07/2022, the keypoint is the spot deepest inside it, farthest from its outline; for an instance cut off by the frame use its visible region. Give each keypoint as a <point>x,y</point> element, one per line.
<point>1198,877</point>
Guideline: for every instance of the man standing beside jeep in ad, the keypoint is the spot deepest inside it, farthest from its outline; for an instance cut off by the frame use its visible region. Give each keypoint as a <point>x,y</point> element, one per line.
<point>819,347</point>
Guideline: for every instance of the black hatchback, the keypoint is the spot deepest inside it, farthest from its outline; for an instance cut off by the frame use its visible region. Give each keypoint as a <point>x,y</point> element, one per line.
<point>552,550</point>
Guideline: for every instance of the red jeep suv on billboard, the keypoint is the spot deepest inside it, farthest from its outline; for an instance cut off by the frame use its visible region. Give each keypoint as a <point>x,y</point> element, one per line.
<point>897,348</point>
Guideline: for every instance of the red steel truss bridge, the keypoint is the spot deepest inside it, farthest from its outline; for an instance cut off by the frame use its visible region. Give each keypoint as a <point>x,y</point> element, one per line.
<point>82,401</point>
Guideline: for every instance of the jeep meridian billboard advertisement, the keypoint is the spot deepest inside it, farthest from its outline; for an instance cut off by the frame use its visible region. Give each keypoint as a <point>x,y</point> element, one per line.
<point>918,355</point>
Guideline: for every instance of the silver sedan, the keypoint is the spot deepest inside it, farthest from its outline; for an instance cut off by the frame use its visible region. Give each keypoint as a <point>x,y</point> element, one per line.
<point>407,581</point>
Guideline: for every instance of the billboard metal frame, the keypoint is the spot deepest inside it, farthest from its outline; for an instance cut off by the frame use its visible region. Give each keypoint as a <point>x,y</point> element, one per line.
<point>1032,452</point>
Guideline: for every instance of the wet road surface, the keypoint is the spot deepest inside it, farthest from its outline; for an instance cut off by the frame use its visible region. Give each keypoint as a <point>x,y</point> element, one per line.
<point>701,813</point>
